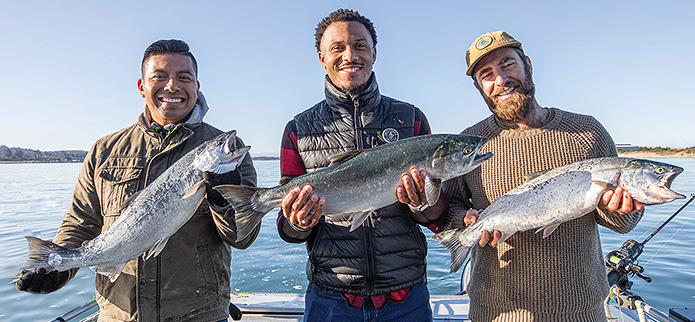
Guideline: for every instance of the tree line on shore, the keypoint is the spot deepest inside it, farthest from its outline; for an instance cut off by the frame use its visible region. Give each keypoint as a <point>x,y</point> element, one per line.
<point>8,154</point>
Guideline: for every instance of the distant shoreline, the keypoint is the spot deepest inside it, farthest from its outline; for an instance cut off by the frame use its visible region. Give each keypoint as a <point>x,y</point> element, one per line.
<point>643,152</point>
<point>259,158</point>
<point>649,155</point>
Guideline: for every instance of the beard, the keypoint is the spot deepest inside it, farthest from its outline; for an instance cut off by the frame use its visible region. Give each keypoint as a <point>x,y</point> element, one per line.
<point>516,107</point>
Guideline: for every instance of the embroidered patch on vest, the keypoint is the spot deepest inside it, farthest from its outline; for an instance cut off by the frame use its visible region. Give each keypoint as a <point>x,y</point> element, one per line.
<point>390,135</point>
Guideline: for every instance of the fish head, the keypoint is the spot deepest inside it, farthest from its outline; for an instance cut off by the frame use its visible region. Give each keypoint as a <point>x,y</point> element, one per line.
<point>221,154</point>
<point>649,182</point>
<point>457,155</point>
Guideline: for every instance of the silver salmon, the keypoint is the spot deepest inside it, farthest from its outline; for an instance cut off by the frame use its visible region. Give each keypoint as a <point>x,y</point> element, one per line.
<point>360,182</point>
<point>150,217</point>
<point>552,197</point>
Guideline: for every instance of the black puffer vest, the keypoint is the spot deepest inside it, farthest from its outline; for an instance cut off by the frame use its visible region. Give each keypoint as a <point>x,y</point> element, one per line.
<point>388,252</point>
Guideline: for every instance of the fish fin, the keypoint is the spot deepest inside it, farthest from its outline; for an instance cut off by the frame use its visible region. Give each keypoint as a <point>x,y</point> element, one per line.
<point>432,189</point>
<point>112,271</point>
<point>358,218</point>
<point>548,229</point>
<point>285,180</point>
<point>128,201</point>
<point>604,185</point>
<point>157,248</point>
<point>249,209</point>
<point>535,175</point>
<point>39,250</point>
<point>459,252</point>
<point>196,187</point>
<point>342,157</point>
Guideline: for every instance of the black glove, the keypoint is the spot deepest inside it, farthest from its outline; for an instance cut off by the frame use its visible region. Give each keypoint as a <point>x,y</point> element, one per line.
<point>234,312</point>
<point>40,282</point>
<point>213,179</point>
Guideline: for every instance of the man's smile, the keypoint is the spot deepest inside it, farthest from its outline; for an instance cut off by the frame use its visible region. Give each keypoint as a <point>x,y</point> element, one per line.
<point>350,69</point>
<point>506,93</point>
<point>171,100</point>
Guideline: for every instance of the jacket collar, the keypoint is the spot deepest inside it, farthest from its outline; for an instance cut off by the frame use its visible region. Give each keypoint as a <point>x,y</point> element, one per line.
<point>343,103</point>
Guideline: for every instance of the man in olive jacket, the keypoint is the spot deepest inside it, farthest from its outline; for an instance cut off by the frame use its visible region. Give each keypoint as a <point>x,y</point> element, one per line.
<point>190,279</point>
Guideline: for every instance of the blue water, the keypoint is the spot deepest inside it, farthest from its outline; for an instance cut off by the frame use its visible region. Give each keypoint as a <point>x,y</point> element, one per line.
<point>34,197</point>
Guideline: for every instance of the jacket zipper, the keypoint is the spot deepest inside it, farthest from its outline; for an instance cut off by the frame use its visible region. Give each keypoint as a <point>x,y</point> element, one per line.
<point>358,136</point>
<point>369,251</point>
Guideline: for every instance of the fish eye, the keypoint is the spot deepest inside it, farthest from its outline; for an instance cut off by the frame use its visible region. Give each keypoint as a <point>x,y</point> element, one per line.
<point>467,150</point>
<point>660,170</point>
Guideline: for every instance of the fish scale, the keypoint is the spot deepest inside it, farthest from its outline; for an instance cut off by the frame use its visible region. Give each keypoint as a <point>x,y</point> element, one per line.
<point>358,183</point>
<point>562,194</point>
<point>149,219</point>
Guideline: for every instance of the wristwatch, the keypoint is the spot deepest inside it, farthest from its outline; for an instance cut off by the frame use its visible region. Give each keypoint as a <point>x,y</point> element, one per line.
<point>419,208</point>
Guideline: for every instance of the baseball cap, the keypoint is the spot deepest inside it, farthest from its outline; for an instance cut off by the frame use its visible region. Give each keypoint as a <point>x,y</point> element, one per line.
<point>486,43</point>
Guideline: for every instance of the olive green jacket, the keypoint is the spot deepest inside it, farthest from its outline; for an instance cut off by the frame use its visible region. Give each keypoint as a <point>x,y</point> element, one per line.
<point>189,280</point>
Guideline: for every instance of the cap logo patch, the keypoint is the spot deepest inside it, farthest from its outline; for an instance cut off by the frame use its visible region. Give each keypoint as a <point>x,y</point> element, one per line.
<point>390,135</point>
<point>483,42</point>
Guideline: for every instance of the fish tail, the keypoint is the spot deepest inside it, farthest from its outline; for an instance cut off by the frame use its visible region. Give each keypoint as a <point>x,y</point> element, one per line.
<point>459,252</point>
<point>246,202</point>
<point>39,250</point>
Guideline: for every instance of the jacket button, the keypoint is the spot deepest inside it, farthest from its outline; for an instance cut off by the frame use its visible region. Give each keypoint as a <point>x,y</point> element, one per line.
<point>142,281</point>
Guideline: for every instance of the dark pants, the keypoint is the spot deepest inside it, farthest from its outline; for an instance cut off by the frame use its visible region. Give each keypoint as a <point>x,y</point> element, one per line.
<point>325,305</point>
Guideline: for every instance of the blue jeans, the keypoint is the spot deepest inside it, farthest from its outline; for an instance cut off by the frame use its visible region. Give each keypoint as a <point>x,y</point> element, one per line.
<point>325,305</point>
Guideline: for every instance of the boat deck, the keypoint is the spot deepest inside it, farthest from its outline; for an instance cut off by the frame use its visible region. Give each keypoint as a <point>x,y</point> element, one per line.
<point>288,307</point>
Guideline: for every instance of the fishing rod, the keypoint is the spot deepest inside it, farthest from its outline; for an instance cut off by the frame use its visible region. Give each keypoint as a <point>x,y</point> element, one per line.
<point>623,262</point>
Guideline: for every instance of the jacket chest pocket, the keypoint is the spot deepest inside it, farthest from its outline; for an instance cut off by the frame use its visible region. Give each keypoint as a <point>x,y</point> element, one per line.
<point>117,185</point>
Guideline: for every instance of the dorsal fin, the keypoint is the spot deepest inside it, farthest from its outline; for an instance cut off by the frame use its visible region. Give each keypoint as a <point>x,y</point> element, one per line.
<point>534,175</point>
<point>342,157</point>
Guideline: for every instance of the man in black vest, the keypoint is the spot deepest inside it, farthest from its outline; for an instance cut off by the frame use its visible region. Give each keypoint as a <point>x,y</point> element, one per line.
<point>378,270</point>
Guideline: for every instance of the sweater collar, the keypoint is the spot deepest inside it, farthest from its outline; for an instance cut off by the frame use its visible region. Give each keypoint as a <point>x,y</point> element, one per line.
<point>555,118</point>
<point>343,103</point>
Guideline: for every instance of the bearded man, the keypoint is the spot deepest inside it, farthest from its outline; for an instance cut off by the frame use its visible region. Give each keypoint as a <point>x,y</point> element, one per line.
<point>527,277</point>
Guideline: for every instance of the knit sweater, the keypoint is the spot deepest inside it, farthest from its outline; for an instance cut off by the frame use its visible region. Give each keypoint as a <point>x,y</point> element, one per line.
<point>527,277</point>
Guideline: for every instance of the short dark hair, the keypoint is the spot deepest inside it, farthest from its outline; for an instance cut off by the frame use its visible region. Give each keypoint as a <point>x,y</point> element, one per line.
<point>343,15</point>
<point>168,46</point>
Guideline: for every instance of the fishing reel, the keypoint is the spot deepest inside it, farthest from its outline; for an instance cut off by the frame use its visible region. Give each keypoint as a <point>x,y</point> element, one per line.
<point>622,263</point>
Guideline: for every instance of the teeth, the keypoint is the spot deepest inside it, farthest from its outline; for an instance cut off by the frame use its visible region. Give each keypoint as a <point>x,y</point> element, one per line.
<point>507,91</point>
<point>172,100</point>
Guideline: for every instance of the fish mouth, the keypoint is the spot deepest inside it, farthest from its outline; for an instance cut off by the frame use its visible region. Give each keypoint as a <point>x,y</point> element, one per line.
<point>479,158</point>
<point>664,184</point>
<point>233,154</point>
<point>229,142</point>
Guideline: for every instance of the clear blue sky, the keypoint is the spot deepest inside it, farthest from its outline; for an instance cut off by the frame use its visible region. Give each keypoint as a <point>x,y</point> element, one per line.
<point>69,68</point>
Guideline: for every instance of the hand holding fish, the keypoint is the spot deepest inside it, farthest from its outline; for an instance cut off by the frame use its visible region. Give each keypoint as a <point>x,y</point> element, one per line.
<point>619,200</point>
<point>487,237</point>
<point>302,208</point>
<point>413,192</point>
<point>412,189</point>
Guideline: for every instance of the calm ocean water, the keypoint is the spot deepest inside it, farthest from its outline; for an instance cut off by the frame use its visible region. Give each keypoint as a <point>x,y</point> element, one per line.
<point>33,198</point>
